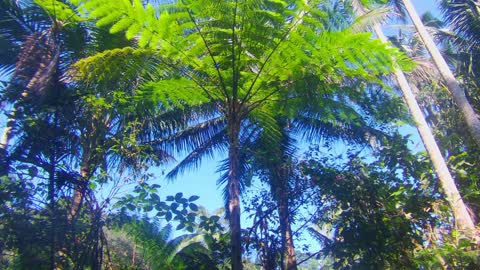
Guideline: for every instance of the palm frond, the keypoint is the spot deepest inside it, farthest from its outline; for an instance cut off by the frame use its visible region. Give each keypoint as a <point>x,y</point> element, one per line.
<point>464,17</point>
<point>369,19</point>
<point>206,149</point>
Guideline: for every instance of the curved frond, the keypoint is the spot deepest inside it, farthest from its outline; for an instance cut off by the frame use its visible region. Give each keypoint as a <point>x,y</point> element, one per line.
<point>207,149</point>
<point>464,17</point>
<point>364,22</point>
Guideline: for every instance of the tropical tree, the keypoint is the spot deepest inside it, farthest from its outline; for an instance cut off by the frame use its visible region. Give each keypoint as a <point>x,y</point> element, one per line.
<point>462,217</point>
<point>240,56</point>
<point>320,117</point>
<point>470,116</point>
<point>63,131</point>
<point>34,38</point>
<point>371,214</point>
<point>463,19</point>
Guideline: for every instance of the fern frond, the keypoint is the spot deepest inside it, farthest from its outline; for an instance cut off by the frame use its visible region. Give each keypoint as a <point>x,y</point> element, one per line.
<point>112,64</point>
<point>176,92</point>
<point>59,10</point>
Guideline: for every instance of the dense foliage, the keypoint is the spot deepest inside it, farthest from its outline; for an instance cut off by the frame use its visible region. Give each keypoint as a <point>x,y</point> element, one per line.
<point>97,94</point>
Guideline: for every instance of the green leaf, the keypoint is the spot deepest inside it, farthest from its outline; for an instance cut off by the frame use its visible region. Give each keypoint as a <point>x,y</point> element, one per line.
<point>174,206</point>
<point>178,196</point>
<point>148,208</point>
<point>92,185</point>
<point>154,196</point>
<point>130,207</point>
<point>193,198</point>
<point>193,207</point>
<point>168,216</point>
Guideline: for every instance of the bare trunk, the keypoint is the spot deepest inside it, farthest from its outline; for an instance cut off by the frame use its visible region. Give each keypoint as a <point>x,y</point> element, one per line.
<point>471,117</point>
<point>234,195</point>
<point>288,247</point>
<point>287,237</point>
<point>79,192</point>
<point>7,134</point>
<point>51,197</point>
<point>463,220</point>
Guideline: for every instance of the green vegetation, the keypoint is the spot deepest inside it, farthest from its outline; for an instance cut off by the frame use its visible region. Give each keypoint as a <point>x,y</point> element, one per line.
<point>96,94</point>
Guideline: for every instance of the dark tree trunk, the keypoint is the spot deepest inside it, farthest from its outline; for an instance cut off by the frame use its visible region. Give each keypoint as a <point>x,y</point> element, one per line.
<point>234,193</point>
<point>51,198</point>
<point>288,248</point>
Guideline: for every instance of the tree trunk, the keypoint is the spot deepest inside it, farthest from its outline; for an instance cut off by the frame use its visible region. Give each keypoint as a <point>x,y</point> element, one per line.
<point>288,247</point>
<point>234,193</point>
<point>51,197</point>
<point>6,135</point>
<point>287,237</point>
<point>79,190</point>
<point>471,117</point>
<point>78,193</point>
<point>92,139</point>
<point>463,219</point>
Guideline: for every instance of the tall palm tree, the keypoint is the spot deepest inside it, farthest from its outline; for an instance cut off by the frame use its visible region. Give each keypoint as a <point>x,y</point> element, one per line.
<point>462,217</point>
<point>240,55</point>
<point>471,117</point>
<point>31,61</point>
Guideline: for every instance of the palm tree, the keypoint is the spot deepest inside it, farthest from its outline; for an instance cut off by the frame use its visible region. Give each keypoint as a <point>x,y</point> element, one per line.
<point>470,115</point>
<point>464,18</point>
<point>31,62</point>
<point>240,55</point>
<point>462,217</point>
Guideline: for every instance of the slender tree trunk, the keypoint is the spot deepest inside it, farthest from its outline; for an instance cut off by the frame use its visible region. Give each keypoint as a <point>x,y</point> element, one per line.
<point>471,117</point>
<point>91,140</point>
<point>463,219</point>
<point>51,197</point>
<point>7,132</point>
<point>288,247</point>
<point>287,237</point>
<point>6,135</point>
<point>79,191</point>
<point>234,193</point>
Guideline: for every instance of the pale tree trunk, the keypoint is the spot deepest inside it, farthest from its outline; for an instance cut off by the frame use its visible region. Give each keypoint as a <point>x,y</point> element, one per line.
<point>79,192</point>
<point>7,132</point>
<point>234,193</point>
<point>471,117</point>
<point>6,135</point>
<point>464,221</point>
